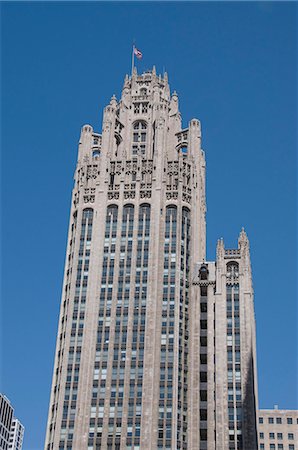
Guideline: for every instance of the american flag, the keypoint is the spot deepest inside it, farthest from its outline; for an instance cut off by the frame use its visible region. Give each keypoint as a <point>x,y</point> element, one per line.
<point>138,53</point>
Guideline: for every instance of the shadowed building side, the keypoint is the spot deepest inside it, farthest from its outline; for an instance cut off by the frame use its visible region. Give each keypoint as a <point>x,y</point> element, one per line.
<point>224,384</point>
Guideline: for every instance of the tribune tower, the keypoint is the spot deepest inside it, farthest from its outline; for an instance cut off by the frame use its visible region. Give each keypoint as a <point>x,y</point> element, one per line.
<point>128,365</point>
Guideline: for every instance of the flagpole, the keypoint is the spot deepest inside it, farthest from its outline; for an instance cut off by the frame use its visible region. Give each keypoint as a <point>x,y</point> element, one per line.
<point>132,59</point>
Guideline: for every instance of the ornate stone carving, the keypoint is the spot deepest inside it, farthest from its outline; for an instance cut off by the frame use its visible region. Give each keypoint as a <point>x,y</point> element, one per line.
<point>186,198</point>
<point>145,194</point>
<point>172,195</point>
<point>89,198</point>
<point>232,272</point>
<point>76,199</point>
<point>113,195</point>
<point>129,194</point>
<point>92,171</point>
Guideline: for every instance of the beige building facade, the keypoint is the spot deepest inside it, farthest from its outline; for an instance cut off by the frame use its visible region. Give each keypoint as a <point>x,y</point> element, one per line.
<point>155,347</point>
<point>278,429</point>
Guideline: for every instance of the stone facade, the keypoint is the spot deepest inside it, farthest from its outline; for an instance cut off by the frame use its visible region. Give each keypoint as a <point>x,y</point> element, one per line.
<point>223,390</point>
<point>131,328</point>
<point>278,429</point>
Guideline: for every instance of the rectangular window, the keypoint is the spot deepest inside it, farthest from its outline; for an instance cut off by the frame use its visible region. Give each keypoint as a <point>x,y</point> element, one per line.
<point>291,436</point>
<point>271,436</point>
<point>261,420</point>
<point>289,420</point>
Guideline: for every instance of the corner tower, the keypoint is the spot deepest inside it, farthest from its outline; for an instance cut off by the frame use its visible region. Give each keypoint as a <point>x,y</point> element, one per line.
<point>137,225</point>
<point>223,378</point>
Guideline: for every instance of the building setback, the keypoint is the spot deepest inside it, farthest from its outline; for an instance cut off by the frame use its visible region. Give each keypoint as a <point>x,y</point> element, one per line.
<point>155,347</point>
<point>278,429</point>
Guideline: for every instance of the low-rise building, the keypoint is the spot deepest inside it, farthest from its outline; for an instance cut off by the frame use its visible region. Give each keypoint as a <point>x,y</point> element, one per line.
<point>278,429</point>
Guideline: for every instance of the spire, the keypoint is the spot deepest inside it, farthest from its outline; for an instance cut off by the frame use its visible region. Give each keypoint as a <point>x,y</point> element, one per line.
<point>113,101</point>
<point>220,249</point>
<point>126,81</point>
<point>243,245</point>
<point>174,105</point>
<point>243,239</point>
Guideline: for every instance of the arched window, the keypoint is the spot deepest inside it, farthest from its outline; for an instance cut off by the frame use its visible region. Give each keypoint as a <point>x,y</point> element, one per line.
<point>139,138</point>
<point>111,221</point>
<point>127,221</point>
<point>143,91</point>
<point>203,272</point>
<point>232,270</point>
<point>144,219</point>
<point>96,154</point>
<point>87,213</point>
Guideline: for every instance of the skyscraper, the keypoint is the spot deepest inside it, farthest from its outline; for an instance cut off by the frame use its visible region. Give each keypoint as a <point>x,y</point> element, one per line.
<point>11,429</point>
<point>16,435</point>
<point>6,414</point>
<point>155,347</point>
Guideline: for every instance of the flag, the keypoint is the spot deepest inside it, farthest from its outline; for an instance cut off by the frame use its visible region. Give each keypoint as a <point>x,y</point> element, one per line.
<point>138,53</point>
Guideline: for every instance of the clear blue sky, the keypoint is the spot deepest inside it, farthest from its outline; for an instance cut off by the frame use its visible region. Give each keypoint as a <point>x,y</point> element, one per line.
<point>234,67</point>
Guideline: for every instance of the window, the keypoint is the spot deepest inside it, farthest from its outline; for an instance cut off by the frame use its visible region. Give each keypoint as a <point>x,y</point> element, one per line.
<point>261,435</point>
<point>262,446</point>
<point>272,446</point>
<point>278,420</point>
<point>203,435</point>
<point>232,270</point>
<point>203,396</point>
<point>279,435</point>
<point>271,436</point>
<point>291,436</point>
<point>289,421</point>
<point>203,414</point>
<point>184,151</point>
<point>280,446</point>
<point>291,447</point>
<point>270,420</point>
<point>261,420</point>
<point>96,154</point>
<point>203,377</point>
<point>139,138</point>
